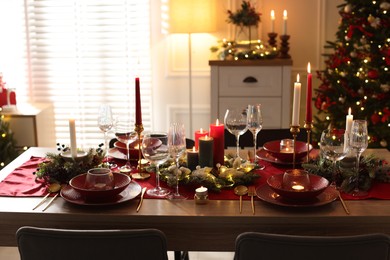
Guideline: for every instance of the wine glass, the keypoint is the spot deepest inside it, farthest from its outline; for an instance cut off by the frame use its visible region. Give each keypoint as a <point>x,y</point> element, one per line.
<point>155,150</point>
<point>105,124</point>
<point>254,121</point>
<point>125,133</point>
<point>177,146</point>
<point>334,146</point>
<point>358,143</point>
<point>235,122</point>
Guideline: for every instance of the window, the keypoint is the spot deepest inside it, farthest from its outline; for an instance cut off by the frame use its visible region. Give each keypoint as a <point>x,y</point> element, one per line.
<point>83,53</point>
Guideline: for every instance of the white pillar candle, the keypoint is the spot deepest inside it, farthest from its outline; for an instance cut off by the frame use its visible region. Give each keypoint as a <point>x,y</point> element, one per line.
<point>72,132</point>
<point>285,22</point>
<point>296,102</point>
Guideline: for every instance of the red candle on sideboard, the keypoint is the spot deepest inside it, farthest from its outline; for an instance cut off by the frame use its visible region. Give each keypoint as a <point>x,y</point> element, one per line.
<point>199,133</point>
<point>217,131</point>
<point>138,113</point>
<point>308,95</point>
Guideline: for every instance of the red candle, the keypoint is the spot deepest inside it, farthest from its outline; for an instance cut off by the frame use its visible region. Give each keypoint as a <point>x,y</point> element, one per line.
<point>199,133</point>
<point>138,113</point>
<point>308,96</point>
<point>217,132</point>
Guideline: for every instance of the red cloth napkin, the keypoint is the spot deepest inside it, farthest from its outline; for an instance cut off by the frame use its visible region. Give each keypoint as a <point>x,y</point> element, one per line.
<point>22,183</point>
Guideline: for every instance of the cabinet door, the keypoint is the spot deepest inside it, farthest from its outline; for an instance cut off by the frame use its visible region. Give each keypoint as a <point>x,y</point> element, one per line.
<point>250,81</point>
<point>271,109</point>
<point>24,130</point>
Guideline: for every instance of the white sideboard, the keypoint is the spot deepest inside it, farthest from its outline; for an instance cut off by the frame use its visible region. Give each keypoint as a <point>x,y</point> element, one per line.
<point>243,82</point>
<point>32,125</point>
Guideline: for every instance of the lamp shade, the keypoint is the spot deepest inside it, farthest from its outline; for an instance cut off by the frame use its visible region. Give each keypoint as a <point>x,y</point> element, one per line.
<point>192,16</point>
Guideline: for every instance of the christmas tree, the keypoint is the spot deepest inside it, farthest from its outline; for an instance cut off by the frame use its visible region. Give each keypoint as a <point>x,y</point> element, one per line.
<point>8,151</point>
<point>357,72</point>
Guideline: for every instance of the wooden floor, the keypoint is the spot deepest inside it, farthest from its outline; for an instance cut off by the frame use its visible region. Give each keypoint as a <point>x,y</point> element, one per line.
<point>11,253</point>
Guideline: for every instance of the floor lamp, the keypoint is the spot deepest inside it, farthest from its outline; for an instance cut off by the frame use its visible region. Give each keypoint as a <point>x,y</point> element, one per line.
<point>191,16</point>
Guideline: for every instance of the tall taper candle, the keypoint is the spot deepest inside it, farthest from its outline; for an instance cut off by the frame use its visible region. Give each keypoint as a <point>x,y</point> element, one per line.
<point>272,21</point>
<point>296,102</point>
<point>72,133</point>
<point>348,123</point>
<point>285,22</point>
<point>206,151</point>
<point>138,113</point>
<point>309,117</point>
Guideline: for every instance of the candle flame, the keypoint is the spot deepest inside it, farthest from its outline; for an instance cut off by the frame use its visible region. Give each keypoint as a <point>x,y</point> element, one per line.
<point>193,149</point>
<point>349,111</point>
<point>272,14</point>
<point>201,130</point>
<point>308,68</point>
<point>285,14</point>
<point>298,77</point>
<point>217,122</point>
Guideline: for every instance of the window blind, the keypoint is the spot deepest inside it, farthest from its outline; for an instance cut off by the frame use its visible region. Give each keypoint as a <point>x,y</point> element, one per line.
<point>83,53</point>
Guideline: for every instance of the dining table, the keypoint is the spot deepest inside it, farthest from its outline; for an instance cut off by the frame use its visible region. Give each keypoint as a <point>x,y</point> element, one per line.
<point>190,226</point>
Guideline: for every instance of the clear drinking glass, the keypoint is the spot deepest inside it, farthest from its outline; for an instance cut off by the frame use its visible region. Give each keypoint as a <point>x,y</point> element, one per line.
<point>105,124</point>
<point>155,150</point>
<point>235,123</point>
<point>358,143</point>
<point>125,133</point>
<point>334,146</point>
<point>254,120</point>
<point>177,147</point>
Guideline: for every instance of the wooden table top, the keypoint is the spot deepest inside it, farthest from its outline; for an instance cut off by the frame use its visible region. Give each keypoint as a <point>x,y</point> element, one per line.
<point>191,227</point>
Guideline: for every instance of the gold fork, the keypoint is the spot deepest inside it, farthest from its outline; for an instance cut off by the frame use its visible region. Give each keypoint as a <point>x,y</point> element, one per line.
<point>251,193</point>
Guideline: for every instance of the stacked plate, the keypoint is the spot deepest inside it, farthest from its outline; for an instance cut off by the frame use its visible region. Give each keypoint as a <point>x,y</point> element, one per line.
<point>273,153</point>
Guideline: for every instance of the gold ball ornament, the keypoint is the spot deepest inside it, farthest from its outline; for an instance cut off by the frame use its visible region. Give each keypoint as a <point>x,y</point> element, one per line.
<point>348,8</point>
<point>384,6</point>
<point>383,143</point>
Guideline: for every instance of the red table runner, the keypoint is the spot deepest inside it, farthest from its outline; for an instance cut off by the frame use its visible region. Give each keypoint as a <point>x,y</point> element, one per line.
<point>22,183</point>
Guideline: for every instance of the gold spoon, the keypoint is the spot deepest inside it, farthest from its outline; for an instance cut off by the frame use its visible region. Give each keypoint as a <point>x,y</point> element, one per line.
<point>240,190</point>
<point>53,188</point>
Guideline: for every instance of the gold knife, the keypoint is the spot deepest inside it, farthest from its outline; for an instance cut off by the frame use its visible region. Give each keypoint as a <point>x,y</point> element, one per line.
<point>344,204</point>
<point>142,198</point>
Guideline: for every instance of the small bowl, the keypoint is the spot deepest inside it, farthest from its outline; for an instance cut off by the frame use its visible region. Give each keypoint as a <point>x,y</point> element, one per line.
<point>274,149</point>
<point>134,149</point>
<point>317,185</point>
<point>121,182</point>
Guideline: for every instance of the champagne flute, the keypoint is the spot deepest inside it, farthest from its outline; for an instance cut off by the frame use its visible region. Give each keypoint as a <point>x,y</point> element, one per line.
<point>254,120</point>
<point>177,146</point>
<point>105,124</point>
<point>235,123</point>
<point>125,133</point>
<point>358,143</point>
<point>155,150</point>
<point>334,146</point>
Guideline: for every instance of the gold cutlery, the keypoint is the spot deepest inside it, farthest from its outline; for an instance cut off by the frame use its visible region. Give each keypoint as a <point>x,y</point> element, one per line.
<point>240,190</point>
<point>142,198</point>
<point>50,202</point>
<point>344,204</point>
<point>54,187</point>
<point>251,193</point>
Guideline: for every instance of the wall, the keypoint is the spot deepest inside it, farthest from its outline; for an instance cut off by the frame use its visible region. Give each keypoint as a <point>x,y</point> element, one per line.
<point>310,24</point>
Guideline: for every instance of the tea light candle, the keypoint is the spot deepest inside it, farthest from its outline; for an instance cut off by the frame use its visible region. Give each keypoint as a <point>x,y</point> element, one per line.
<point>192,158</point>
<point>298,187</point>
<point>199,133</point>
<point>287,146</point>
<point>72,133</point>
<point>206,144</point>
<point>217,132</point>
<point>201,195</point>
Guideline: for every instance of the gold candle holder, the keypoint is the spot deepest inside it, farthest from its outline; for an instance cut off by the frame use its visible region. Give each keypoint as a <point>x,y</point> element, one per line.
<point>308,126</point>
<point>139,128</point>
<point>294,130</point>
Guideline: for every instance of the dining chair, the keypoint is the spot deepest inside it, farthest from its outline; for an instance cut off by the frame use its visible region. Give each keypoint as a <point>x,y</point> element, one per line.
<point>254,245</point>
<point>60,244</point>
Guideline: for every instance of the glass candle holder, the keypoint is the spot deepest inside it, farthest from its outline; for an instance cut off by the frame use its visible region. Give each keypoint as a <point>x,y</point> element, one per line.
<point>296,180</point>
<point>99,179</point>
<point>287,146</point>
